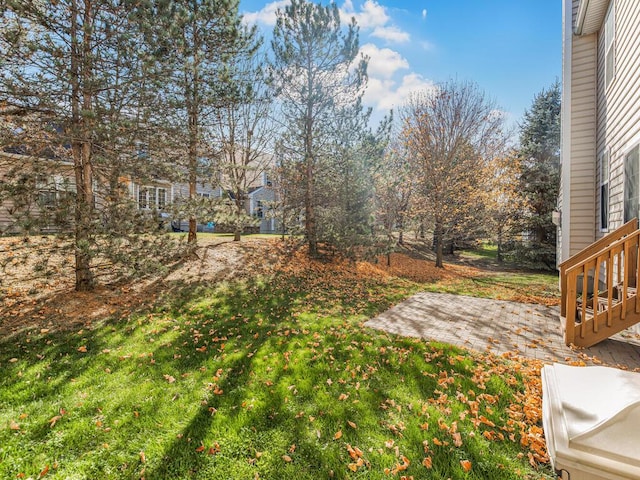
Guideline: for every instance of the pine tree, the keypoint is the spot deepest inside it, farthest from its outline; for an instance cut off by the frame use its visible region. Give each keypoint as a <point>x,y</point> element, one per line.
<point>539,155</point>
<point>195,42</point>
<point>74,89</point>
<point>317,78</point>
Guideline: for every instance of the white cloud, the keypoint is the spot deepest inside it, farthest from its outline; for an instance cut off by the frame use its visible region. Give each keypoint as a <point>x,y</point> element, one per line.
<point>385,94</point>
<point>383,62</point>
<point>424,13</point>
<point>371,15</point>
<point>267,15</point>
<point>375,18</point>
<point>391,34</point>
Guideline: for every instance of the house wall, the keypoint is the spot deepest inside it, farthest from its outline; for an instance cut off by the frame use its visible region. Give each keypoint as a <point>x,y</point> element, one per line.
<point>618,108</point>
<point>181,190</point>
<point>578,155</point>
<point>55,176</point>
<point>267,196</point>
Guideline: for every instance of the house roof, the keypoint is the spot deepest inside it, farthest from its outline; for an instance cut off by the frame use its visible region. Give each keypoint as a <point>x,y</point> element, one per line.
<point>590,16</point>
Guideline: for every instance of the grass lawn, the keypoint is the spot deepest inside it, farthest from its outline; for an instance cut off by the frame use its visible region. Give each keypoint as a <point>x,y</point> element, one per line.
<point>265,378</point>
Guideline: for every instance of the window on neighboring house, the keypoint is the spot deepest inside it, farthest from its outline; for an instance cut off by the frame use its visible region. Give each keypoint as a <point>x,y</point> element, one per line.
<point>259,210</point>
<point>162,198</point>
<point>609,45</point>
<point>150,198</point>
<point>47,198</point>
<point>604,191</point>
<point>203,195</point>
<point>631,184</point>
<point>143,198</point>
<point>42,181</point>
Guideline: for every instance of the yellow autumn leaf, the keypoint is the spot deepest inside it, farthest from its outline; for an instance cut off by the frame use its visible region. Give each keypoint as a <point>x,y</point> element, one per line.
<point>338,435</point>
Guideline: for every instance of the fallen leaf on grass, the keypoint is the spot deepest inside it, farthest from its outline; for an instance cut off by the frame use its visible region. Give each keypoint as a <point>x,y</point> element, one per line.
<point>286,458</point>
<point>466,465</point>
<point>169,378</point>
<point>82,349</point>
<point>427,462</point>
<point>338,435</point>
<point>352,424</point>
<point>54,420</point>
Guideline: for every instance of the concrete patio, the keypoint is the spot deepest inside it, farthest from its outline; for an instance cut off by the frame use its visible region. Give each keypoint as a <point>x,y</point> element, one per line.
<point>528,330</point>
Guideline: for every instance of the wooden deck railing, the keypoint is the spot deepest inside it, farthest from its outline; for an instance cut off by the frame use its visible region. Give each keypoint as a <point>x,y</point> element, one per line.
<point>592,316</point>
<point>587,252</point>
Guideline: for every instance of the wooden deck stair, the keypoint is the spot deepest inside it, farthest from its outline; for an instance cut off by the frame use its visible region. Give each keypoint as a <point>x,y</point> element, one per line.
<point>599,288</point>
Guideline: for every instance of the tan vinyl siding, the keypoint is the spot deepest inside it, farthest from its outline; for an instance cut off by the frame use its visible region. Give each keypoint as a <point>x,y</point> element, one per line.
<point>619,104</point>
<point>582,152</point>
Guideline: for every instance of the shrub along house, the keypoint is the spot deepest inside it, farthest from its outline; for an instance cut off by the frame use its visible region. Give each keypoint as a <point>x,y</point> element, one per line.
<point>600,183</point>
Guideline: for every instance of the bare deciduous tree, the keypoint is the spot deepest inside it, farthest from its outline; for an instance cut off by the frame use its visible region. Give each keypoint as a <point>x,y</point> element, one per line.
<point>448,133</point>
<point>243,130</point>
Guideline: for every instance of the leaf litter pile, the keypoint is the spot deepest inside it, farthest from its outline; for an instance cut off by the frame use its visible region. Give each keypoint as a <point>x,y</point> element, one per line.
<point>265,376</point>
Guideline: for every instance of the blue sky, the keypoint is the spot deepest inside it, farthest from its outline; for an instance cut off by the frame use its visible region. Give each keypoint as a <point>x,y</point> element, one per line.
<point>510,48</point>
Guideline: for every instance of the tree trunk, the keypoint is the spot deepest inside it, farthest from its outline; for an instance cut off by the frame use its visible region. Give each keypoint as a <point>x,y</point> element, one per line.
<point>499,255</point>
<point>193,161</point>
<point>193,104</point>
<point>309,210</point>
<point>438,240</point>
<point>81,147</point>
<point>237,231</point>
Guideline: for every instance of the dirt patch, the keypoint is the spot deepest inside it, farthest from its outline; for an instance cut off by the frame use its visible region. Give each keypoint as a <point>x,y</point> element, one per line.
<point>30,302</point>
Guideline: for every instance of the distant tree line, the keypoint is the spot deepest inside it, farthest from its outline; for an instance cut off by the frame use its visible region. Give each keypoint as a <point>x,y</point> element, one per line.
<point>182,90</point>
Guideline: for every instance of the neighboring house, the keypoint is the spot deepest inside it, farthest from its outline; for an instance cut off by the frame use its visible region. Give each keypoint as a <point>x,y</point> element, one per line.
<point>38,185</point>
<point>600,185</point>
<point>54,179</point>
<point>261,202</point>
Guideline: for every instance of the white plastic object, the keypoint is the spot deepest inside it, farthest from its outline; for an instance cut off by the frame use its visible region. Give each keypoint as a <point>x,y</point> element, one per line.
<point>591,421</point>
